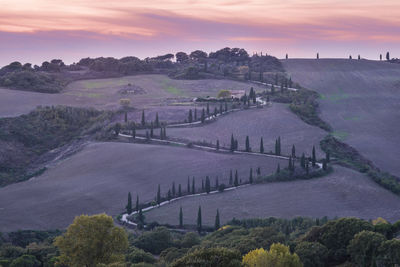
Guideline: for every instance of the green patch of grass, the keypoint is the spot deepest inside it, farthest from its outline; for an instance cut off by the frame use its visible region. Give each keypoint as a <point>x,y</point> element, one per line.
<point>341,135</point>
<point>172,90</point>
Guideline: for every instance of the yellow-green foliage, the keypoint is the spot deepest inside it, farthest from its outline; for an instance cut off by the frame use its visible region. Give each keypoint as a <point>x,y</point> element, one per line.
<point>278,256</point>
<point>224,94</point>
<point>92,240</point>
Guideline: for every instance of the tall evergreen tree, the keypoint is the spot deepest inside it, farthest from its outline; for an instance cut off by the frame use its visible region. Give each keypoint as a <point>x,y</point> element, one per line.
<point>199,221</point>
<point>216,183</point>
<point>137,203</point>
<point>324,165</point>
<point>179,190</point>
<point>328,156</point>
<point>126,117</point>
<point>129,204</point>
<point>133,130</point>
<point>161,133</point>
<point>307,167</point>
<point>208,109</point>
<point>380,57</point>
<point>247,144</point>
<point>151,130</point>
<point>143,119</point>
<point>293,151</point>
<point>157,122</point>
<point>317,55</point>
<point>236,144</point>
<point>314,158</point>
<point>290,164</point>
<point>236,182</point>
<point>147,135</point>
<point>279,145</point>
<point>217,224</point>
<point>251,176</point>
<point>272,89</point>
<point>195,114</point>
<point>158,198</point>
<point>232,143</point>
<point>165,133</point>
<point>203,116</point>
<point>215,112</point>
<point>278,169</point>
<point>220,108</point>
<point>208,185</point>
<point>169,195</point>
<point>217,144</point>
<point>387,56</point>
<point>303,161</point>
<point>202,185</point>
<point>258,171</point>
<point>261,145</point>
<point>180,218</point>
<point>230,178</point>
<point>190,117</point>
<point>173,189</point>
<point>188,185</point>
<point>193,187</point>
<point>140,219</point>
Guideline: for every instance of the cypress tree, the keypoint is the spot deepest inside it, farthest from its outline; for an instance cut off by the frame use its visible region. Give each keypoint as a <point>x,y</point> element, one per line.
<point>290,163</point>
<point>236,182</point>
<point>165,133</point>
<point>126,117</point>
<point>307,167</point>
<point>217,223</point>
<point>258,171</point>
<point>151,130</point>
<point>173,189</point>
<point>193,187</point>
<point>380,57</point>
<point>157,121</point>
<point>147,136</point>
<point>276,79</point>
<point>251,176</point>
<point>140,219</point>
<point>161,133</point>
<point>359,57</point>
<point>317,55</point>
<point>188,185</point>
<point>328,156</point>
<point>216,183</point>
<point>324,165</point>
<point>208,185</point>
<point>203,116</point>
<point>133,130</point>
<point>158,199</point>
<point>202,185</point>
<point>287,56</point>
<point>137,203</point>
<point>278,169</point>
<point>181,218</point>
<point>303,161</point>
<point>293,151</point>
<point>279,145</point>
<point>236,144</point>
<point>387,56</point>
<point>314,159</point>
<point>247,144</point>
<point>195,114</point>
<point>232,143</point>
<point>272,89</point>
<point>220,108</point>
<point>217,144</point>
<point>129,204</point>
<point>199,222</point>
<point>208,109</point>
<point>143,119</point>
<point>215,112</point>
<point>179,190</point>
<point>190,117</point>
<point>169,196</point>
<point>261,145</point>
<point>230,178</point>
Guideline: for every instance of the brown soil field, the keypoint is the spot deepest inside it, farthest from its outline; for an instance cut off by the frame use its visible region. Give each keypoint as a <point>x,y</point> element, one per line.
<point>360,100</point>
<point>267,122</point>
<point>152,90</point>
<point>343,193</point>
<point>98,179</point>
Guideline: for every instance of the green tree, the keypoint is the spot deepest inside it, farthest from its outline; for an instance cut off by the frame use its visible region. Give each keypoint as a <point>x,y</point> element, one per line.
<point>387,56</point>
<point>157,122</point>
<point>195,114</point>
<point>140,219</point>
<point>389,253</point>
<point>203,116</point>
<point>217,145</point>
<point>251,176</point>
<point>179,190</point>
<point>314,158</point>
<point>193,187</point>
<point>303,161</point>
<point>215,112</point>
<point>199,221</point>
<point>190,117</point>
<point>278,256</point>
<point>208,109</point>
<point>92,240</point>
<point>180,218</point>
<point>137,203</point>
<point>143,119</point>
<point>293,151</point>
<point>216,183</point>
<point>158,198</point>
<point>236,182</point>
<point>117,128</point>
<point>247,144</point>
<point>188,185</point>
<point>261,145</point>
<point>151,130</point>
<point>232,148</point>
<point>133,130</point>
<point>230,178</point>
<point>208,185</point>
<point>312,254</point>
<point>125,117</point>
<point>278,169</point>
<point>173,189</point>
<point>363,248</point>
<point>328,156</point>
<point>25,261</point>
<point>226,107</point>
<point>217,222</point>
<point>324,165</point>
<point>210,257</point>
<point>154,241</point>
<point>169,195</point>
<point>129,204</point>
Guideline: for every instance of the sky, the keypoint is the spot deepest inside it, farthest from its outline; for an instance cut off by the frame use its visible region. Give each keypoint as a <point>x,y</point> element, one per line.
<point>38,30</point>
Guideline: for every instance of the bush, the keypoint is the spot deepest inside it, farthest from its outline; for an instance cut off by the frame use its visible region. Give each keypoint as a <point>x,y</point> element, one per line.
<point>137,255</point>
<point>210,257</point>
<point>312,254</point>
<point>155,241</point>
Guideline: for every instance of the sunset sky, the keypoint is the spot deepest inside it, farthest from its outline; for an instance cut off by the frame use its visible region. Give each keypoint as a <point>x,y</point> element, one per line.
<point>38,30</point>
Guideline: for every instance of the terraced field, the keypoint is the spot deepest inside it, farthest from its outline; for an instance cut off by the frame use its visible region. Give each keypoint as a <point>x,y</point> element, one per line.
<point>344,193</point>
<point>360,100</point>
<point>98,179</point>
<point>268,122</point>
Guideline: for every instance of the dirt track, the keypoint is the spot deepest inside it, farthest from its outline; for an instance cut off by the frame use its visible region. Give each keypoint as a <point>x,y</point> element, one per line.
<point>98,179</point>
<point>360,100</point>
<point>344,193</point>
